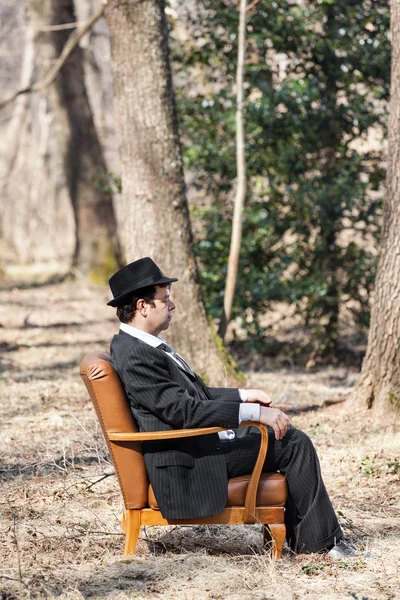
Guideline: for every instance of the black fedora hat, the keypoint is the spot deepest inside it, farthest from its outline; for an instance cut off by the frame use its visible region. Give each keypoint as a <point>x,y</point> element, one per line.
<point>138,274</point>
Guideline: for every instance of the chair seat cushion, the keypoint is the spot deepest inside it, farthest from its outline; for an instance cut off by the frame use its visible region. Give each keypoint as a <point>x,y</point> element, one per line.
<point>272,491</point>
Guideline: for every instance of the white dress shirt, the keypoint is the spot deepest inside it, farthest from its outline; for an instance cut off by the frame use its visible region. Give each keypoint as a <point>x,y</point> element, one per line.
<point>247,412</point>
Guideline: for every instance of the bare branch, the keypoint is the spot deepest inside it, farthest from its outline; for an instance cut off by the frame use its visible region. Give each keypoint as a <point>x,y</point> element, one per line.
<point>69,47</point>
<point>250,6</point>
<point>98,481</point>
<point>63,26</point>
<point>14,579</point>
<point>16,542</point>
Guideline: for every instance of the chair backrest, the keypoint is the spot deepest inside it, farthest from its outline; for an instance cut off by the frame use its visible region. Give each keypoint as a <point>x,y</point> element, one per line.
<point>112,408</point>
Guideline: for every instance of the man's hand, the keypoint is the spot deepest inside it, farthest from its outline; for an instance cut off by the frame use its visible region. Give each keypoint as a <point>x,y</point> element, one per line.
<point>276,419</point>
<point>259,397</point>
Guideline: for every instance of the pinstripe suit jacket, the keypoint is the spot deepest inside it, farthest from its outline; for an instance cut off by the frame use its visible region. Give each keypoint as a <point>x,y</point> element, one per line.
<point>188,476</point>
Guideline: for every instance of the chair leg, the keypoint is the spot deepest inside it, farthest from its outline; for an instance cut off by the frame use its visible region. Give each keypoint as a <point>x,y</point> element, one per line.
<point>132,528</point>
<point>276,534</point>
<point>123,521</point>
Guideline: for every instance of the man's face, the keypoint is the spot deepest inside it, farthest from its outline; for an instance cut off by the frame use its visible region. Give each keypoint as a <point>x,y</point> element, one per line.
<point>159,313</point>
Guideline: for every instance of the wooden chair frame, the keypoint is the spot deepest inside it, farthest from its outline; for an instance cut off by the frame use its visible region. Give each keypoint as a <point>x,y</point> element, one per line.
<point>272,518</point>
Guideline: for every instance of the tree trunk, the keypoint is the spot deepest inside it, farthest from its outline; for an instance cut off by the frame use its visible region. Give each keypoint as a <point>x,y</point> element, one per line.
<point>14,135</point>
<point>36,221</point>
<point>379,386</point>
<point>92,69</point>
<point>154,202</point>
<point>237,225</point>
<point>20,113</point>
<point>96,247</point>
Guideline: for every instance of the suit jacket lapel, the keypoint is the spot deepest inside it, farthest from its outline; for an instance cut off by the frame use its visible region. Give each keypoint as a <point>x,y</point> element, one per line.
<point>194,378</point>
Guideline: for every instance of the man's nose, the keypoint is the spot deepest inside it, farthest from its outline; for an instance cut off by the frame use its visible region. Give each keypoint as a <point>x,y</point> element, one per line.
<point>172,305</point>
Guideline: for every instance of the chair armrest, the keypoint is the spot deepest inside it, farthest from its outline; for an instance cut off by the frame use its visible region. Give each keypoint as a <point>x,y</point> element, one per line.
<point>251,494</point>
<point>143,436</point>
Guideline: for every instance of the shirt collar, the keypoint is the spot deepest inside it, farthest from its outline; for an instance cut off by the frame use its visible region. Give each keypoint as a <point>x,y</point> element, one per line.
<point>148,338</point>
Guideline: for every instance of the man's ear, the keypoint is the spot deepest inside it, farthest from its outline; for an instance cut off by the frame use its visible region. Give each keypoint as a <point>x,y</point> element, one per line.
<point>141,307</point>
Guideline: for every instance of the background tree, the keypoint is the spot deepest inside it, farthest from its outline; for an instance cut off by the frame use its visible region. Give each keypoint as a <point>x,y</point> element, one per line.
<point>379,387</point>
<point>317,82</point>
<point>237,225</point>
<point>156,217</point>
<point>96,242</point>
<point>316,79</point>
<point>55,205</point>
<point>36,218</point>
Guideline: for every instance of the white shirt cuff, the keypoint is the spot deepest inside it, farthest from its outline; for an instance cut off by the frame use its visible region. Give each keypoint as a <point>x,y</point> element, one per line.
<point>249,412</point>
<point>243,395</point>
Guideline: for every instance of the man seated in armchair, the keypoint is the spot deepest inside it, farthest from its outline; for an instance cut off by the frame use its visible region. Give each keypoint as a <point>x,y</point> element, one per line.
<point>190,475</point>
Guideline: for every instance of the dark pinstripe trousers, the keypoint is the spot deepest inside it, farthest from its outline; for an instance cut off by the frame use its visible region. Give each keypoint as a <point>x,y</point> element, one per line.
<point>311,523</point>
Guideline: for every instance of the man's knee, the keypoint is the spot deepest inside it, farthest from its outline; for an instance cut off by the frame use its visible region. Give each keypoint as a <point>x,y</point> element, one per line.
<point>298,438</point>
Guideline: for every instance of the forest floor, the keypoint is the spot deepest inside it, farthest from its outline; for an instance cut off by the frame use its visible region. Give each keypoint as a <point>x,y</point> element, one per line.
<point>60,515</point>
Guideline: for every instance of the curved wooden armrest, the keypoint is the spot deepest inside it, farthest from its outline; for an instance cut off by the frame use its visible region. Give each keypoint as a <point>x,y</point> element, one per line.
<point>162,435</point>
<point>251,494</point>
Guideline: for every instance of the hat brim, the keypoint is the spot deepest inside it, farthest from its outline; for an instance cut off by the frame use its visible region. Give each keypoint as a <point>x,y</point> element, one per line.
<point>118,300</point>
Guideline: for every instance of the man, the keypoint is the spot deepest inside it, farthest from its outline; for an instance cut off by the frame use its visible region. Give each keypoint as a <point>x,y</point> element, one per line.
<point>190,475</point>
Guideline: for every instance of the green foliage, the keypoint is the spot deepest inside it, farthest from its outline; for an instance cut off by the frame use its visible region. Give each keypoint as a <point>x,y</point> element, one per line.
<point>311,216</point>
<point>379,465</point>
<point>108,182</point>
<point>313,569</point>
<point>368,465</point>
<point>394,401</point>
<point>106,265</point>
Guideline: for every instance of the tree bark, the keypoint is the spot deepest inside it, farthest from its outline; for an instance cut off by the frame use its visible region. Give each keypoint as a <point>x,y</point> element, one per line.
<point>237,225</point>
<point>92,69</point>
<point>14,134</point>
<point>20,110</point>
<point>35,212</point>
<point>96,245</point>
<point>155,208</point>
<point>379,386</point>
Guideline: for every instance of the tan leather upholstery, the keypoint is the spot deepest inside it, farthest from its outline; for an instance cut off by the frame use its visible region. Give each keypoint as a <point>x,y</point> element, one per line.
<point>112,408</point>
<point>272,491</point>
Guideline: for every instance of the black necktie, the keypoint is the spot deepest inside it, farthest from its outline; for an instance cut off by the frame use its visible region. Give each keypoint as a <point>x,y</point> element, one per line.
<point>179,359</point>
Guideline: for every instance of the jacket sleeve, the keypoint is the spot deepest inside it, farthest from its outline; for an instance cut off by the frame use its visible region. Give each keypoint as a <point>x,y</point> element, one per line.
<point>148,383</point>
<point>230,394</point>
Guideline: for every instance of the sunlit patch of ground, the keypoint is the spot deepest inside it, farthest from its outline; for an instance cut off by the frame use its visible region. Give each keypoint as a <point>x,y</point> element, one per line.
<point>60,504</point>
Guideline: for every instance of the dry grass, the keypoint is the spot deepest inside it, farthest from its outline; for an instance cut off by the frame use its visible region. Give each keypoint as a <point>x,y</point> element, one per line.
<point>60,531</point>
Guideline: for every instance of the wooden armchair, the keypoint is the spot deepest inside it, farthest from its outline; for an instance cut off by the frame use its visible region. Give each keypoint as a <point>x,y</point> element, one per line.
<point>256,498</point>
